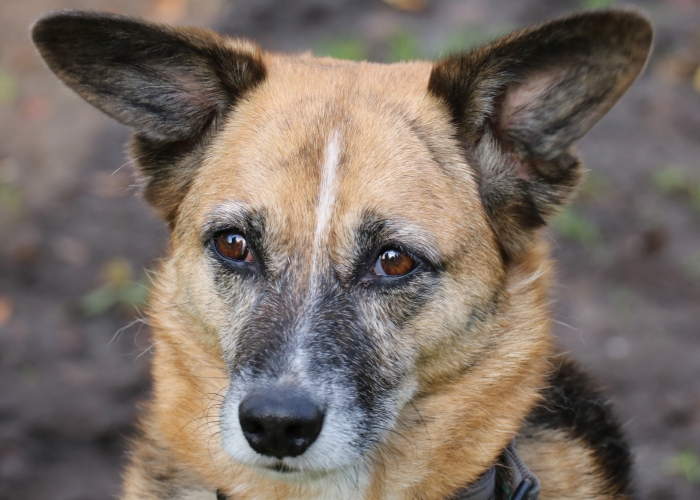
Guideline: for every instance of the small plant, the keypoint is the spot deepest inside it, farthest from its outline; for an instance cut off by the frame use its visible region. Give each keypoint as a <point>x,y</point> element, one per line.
<point>354,49</point>
<point>673,180</point>
<point>670,179</point>
<point>10,198</point>
<point>9,88</point>
<point>597,4</point>
<point>118,289</point>
<point>595,185</point>
<point>687,465</point>
<point>404,46</point>
<point>573,227</point>
<point>470,36</point>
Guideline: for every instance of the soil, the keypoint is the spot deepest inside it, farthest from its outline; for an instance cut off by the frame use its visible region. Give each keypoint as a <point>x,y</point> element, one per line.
<point>76,242</point>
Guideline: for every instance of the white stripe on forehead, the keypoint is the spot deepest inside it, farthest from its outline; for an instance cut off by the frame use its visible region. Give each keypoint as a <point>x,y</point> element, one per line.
<point>324,210</point>
<point>326,195</point>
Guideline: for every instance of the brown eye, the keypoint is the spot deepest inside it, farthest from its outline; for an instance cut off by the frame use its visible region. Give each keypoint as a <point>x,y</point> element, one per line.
<point>394,262</point>
<point>233,246</point>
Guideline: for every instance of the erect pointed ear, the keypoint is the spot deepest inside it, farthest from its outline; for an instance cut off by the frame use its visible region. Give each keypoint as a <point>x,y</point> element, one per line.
<point>520,102</point>
<point>170,85</point>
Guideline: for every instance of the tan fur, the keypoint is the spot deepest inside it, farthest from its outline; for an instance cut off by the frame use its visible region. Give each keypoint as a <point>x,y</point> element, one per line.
<point>508,354</point>
<point>577,476</point>
<point>317,144</point>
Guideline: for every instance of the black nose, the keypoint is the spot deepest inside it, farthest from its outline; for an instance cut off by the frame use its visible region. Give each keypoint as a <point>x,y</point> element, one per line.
<point>280,421</point>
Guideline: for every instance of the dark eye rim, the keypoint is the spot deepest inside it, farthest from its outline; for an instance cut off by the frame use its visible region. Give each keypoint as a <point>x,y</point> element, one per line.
<point>242,264</point>
<point>370,277</point>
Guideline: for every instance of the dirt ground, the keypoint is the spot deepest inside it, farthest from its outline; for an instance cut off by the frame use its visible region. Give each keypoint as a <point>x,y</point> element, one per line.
<point>75,243</point>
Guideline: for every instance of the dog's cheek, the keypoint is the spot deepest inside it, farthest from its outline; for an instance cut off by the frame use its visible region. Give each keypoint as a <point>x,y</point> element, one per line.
<point>391,313</point>
<point>442,325</point>
<point>389,317</point>
<point>216,299</point>
<point>449,336</point>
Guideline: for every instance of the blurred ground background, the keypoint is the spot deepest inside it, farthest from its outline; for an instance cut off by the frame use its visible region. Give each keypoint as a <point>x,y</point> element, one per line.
<point>75,244</point>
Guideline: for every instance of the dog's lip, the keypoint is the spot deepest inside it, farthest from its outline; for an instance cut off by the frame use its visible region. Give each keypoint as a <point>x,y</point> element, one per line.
<point>282,468</point>
<point>293,472</point>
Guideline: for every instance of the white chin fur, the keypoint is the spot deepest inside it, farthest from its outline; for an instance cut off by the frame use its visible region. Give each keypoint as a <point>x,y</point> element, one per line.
<point>334,450</point>
<point>326,471</point>
<point>349,483</point>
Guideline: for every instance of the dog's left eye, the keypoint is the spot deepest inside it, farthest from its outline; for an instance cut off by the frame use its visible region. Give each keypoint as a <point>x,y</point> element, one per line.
<point>233,246</point>
<point>394,262</point>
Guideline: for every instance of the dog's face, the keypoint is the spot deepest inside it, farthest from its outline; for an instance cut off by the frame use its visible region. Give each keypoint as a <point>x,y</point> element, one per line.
<point>343,233</point>
<point>328,259</point>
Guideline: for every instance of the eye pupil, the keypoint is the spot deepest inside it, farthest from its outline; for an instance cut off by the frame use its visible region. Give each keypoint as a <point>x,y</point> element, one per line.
<point>233,246</point>
<point>395,262</point>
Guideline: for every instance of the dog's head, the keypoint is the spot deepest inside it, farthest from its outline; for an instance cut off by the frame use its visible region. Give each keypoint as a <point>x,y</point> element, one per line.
<point>343,233</point>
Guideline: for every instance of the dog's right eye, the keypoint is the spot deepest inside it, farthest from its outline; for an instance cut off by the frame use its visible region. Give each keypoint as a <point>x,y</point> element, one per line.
<point>233,246</point>
<point>394,263</point>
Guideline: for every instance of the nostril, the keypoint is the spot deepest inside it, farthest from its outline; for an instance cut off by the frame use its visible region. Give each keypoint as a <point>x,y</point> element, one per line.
<point>250,426</point>
<point>280,421</point>
<point>295,432</point>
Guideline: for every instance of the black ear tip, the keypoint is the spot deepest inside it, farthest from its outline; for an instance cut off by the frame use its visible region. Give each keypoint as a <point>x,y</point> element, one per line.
<point>51,27</point>
<point>637,29</point>
<point>625,29</point>
<point>46,30</point>
<point>632,21</point>
<point>635,19</point>
<point>42,28</point>
<point>48,27</point>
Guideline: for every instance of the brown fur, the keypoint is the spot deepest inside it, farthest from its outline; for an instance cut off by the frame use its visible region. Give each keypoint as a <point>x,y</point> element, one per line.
<point>450,154</point>
<point>577,475</point>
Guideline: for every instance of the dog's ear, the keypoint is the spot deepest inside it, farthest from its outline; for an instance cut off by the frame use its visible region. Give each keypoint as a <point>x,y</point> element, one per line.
<point>520,102</point>
<point>170,85</point>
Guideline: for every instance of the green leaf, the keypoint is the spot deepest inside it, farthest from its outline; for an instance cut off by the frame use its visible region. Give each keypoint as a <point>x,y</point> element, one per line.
<point>97,302</point>
<point>353,49</point>
<point>8,88</point>
<point>687,465</point>
<point>404,46</point>
<point>134,295</point>
<point>11,198</point>
<point>597,4</point>
<point>674,180</point>
<point>670,179</point>
<point>118,288</point>
<point>470,36</point>
<point>594,185</point>
<point>573,227</point>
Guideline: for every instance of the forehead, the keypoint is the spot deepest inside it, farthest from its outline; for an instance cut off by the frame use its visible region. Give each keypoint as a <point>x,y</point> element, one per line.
<point>357,138</point>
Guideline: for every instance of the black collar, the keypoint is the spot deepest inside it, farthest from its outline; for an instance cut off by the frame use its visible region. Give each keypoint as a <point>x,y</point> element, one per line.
<point>509,479</point>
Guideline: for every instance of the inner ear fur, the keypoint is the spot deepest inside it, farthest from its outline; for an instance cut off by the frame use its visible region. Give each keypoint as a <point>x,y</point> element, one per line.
<point>171,85</point>
<point>519,103</point>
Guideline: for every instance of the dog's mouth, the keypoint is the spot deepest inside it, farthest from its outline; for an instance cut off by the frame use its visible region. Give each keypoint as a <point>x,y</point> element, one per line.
<point>282,468</point>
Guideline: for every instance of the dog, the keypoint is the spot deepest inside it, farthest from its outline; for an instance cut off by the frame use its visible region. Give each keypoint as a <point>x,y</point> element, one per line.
<point>355,301</point>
